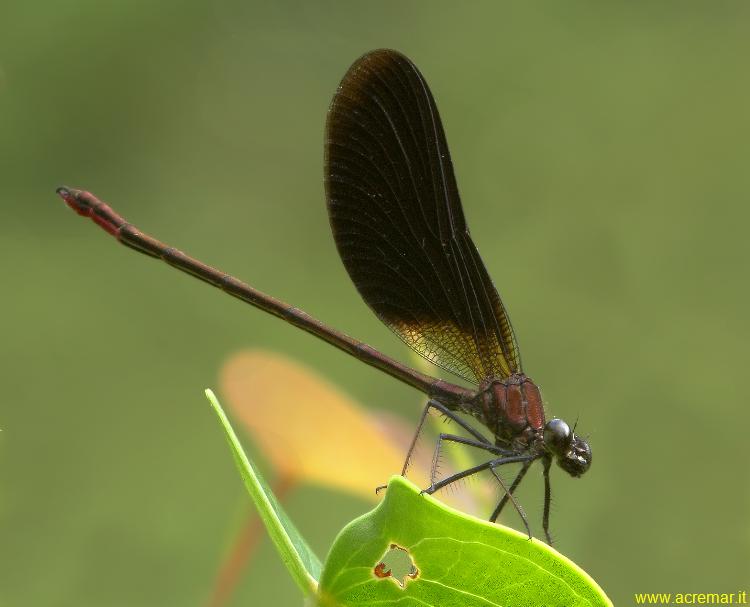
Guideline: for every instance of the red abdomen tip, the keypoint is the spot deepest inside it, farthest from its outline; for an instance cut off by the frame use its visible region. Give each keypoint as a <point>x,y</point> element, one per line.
<point>71,199</point>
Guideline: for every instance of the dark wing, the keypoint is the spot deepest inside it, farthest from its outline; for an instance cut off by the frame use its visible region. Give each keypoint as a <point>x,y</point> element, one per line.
<point>398,223</point>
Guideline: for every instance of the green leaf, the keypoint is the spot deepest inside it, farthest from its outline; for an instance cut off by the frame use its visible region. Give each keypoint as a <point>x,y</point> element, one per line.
<point>298,557</point>
<point>445,558</point>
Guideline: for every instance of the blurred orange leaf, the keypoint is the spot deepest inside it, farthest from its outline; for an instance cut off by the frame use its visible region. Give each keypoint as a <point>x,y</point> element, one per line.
<point>307,428</point>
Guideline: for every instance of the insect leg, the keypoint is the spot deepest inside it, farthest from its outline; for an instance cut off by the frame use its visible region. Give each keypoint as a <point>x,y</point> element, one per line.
<point>547,499</point>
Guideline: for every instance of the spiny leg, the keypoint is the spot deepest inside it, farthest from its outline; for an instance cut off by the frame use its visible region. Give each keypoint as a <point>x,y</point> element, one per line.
<point>547,499</point>
<point>434,404</point>
<point>464,441</point>
<point>493,463</point>
<point>509,493</point>
<point>437,405</point>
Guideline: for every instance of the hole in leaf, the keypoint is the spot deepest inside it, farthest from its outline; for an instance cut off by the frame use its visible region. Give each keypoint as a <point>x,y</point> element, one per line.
<point>396,564</point>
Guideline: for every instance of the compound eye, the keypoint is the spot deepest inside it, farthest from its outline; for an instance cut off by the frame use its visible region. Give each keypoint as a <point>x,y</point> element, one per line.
<point>557,434</point>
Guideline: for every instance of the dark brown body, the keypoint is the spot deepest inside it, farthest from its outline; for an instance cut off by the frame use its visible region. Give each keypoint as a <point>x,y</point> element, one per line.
<point>512,410</point>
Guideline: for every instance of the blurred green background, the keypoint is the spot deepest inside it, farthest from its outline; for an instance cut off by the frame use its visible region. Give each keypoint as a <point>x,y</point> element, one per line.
<point>602,154</point>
